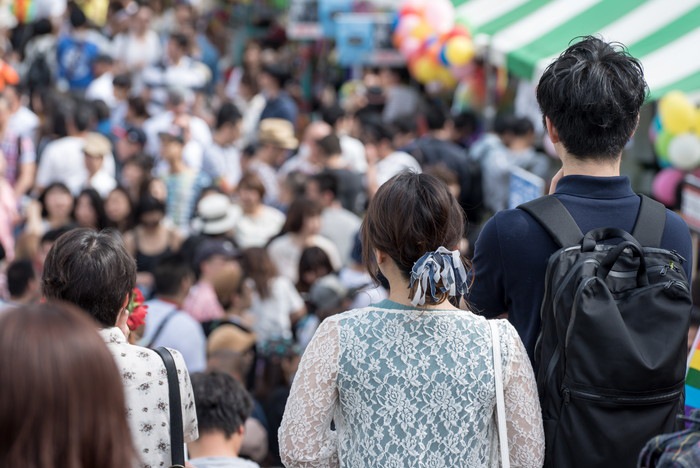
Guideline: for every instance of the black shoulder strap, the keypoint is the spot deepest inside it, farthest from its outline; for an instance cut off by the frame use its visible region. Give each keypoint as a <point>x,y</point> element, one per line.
<point>651,220</point>
<point>161,326</point>
<point>177,438</point>
<point>555,219</point>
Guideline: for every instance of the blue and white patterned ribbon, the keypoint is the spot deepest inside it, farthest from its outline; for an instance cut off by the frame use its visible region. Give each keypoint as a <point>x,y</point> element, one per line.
<point>434,266</point>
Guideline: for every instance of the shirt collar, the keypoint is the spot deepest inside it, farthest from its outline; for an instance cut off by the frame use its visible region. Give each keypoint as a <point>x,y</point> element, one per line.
<point>112,335</point>
<point>595,187</point>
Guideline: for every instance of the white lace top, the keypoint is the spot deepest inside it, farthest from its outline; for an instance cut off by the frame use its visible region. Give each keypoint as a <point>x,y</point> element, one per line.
<point>409,388</point>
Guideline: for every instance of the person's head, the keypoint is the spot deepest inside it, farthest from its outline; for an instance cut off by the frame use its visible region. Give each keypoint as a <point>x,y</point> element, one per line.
<point>410,215</point>
<point>45,243</point>
<point>292,187</point>
<point>336,117</point>
<point>95,148</point>
<point>89,210</point>
<point>122,86</point>
<point>313,264</point>
<point>436,116</point>
<point>130,142</point>
<point>92,270</point>
<point>223,405</point>
<point>328,147</point>
<point>276,139</point>
<point>405,130</point>
<point>252,56</point>
<point>56,202</point>
<point>137,110</point>
<point>150,212</point>
<point>136,172</point>
<point>228,123</point>
<point>173,276</point>
<point>63,399</point>
<point>172,143</point>
<point>119,209</point>
<point>323,188</point>
<point>178,47</point>
<point>393,76</point>
<point>523,134</point>
<point>22,282</point>
<point>141,21</point>
<point>229,287</point>
<point>447,177</point>
<point>211,256</point>
<point>77,18</point>
<point>272,78</point>
<point>378,139</point>
<point>82,118</point>
<point>13,95</point>
<point>251,192</point>
<point>257,265</point>
<point>303,217</point>
<point>590,98</point>
<point>102,64</point>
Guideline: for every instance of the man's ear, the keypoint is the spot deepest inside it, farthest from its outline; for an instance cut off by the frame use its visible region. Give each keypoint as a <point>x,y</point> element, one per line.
<point>552,132</point>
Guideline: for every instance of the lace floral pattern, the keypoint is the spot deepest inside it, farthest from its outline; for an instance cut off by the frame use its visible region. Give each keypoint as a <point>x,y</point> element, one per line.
<point>409,389</point>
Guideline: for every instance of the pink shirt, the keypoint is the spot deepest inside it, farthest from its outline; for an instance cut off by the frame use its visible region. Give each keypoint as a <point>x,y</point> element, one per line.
<point>202,304</point>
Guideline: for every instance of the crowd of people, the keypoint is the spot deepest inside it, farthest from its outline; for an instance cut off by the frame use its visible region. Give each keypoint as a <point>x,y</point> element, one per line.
<point>251,218</point>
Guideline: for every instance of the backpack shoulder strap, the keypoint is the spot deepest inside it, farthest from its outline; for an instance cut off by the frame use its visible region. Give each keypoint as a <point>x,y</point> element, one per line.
<point>177,438</point>
<point>555,219</point>
<point>161,326</point>
<point>651,220</point>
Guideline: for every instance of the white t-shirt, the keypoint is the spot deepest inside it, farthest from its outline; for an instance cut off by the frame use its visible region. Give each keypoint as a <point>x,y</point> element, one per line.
<point>136,52</point>
<point>394,163</point>
<point>255,231</point>
<point>24,123</point>
<point>222,162</point>
<point>354,153</point>
<point>102,182</point>
<point>272,314</point>
<point>63,161</point>
<point>200,137</point>
<point>340,226</point>
<point>102,89</point>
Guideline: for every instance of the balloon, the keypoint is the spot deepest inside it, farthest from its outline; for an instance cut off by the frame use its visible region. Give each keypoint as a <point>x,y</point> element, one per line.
<point>459,51</point>
<point>421,31</point>
<point>406,24</point>
<point>409,47</point>
<point>663,138</point>
<point>424,70</point>
<point>457,31</point>
<point>440,14</point>
<point>665,186</point>
<point>684,151</point>
<point>445,78</point>
<point>677,113</point>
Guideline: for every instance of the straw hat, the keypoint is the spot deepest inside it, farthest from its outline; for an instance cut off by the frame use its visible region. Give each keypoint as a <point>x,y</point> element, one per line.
<point>277,132</point>
<point>96,145</point>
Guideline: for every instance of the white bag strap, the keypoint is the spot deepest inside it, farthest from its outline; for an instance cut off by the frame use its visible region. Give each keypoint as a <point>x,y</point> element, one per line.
<point>500,402</point>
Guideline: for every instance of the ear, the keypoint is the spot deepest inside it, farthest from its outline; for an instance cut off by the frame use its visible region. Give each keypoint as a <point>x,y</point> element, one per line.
<point>379,256</point>
<point>551,131</point>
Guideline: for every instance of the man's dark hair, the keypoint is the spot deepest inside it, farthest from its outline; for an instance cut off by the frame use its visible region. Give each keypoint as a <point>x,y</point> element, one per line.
<point>405,125</point>
<point>377,133</point>
<point>123,80</point>
<point>522,126</point>
<point>228,113</point>
<point>329,145</point>
<point>92,270</point>
<point>19,274</point>
<point>83,116</point>
<point>436,115</point>
<point>181,40</point>
<point>279,74</point>
<point>592,94</point>
<point>169,272</point>
<point>332,114</point>
<point>222,403</point>
<point>327,182</point>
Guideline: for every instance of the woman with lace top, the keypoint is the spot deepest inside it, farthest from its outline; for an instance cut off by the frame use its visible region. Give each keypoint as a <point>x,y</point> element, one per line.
<point>410,381</point>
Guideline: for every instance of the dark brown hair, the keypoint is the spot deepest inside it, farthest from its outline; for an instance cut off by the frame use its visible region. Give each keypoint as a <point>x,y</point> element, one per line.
<point>251,181</point>
<point>92,270</point>
<point>299,210</point>
<point>63,402</point>
<point>257,265</point>
<point>411,214</point>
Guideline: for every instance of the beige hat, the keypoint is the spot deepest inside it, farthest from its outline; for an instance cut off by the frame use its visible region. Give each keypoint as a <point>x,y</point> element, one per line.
<point>277,132</point>
<point>231,338</point>
<point>96,145</point>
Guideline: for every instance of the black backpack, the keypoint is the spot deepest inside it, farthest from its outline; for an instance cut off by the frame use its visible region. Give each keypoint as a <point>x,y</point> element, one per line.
<point>613,346</point>
<point>39,75</point>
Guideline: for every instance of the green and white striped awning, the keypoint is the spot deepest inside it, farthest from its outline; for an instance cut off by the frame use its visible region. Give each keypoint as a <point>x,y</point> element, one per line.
<point>526,35</point>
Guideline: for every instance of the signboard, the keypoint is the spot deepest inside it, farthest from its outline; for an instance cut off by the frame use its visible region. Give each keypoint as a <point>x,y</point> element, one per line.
<point>690,202</point>
<point>524,186</point>
<point>365,39</point>
<point>303,21</point>
<point>328,10</point>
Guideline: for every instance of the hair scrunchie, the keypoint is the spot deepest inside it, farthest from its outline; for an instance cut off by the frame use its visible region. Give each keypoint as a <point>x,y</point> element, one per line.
<point>432,267</point>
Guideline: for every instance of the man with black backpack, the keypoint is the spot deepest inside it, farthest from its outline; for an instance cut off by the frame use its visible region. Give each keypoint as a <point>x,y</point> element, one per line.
<point>609,311</point>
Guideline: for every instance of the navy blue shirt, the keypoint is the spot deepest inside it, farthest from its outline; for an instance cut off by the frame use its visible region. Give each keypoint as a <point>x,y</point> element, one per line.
<point>511,254</point>
<point>281,107</point>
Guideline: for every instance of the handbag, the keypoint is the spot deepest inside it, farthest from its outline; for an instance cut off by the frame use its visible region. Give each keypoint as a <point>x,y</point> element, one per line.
<point>500,401</point>
<point>177,438</point>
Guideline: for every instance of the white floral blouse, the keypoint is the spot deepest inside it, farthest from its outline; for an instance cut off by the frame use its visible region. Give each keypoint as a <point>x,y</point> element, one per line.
<point>146,387</point>
<point>409,388</point>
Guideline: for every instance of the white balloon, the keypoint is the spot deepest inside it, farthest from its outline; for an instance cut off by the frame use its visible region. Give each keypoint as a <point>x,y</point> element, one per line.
<point>684,151</point>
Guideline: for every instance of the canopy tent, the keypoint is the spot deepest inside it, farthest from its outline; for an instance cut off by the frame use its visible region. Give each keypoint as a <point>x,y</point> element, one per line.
<point>526,35</point>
